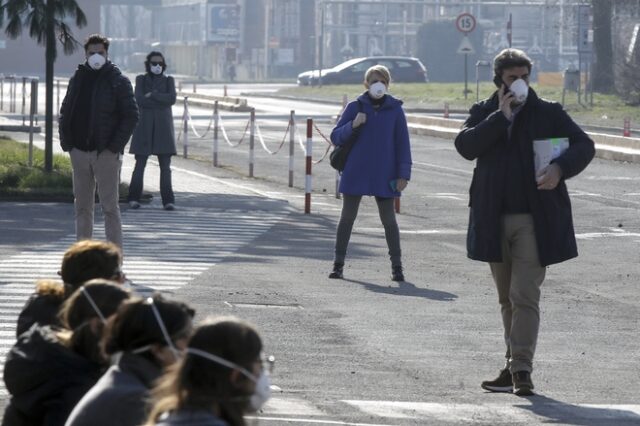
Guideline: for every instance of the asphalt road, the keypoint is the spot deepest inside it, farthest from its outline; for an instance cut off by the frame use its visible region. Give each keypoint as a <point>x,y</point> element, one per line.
<point>366,350</point>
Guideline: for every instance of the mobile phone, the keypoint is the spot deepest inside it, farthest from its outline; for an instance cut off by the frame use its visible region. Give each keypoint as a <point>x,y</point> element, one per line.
<point>394,185</point>
<point>497,80</point>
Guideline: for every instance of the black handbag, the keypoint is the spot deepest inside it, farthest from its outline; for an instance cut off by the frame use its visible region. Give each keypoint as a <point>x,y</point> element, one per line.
<point>340,153</point>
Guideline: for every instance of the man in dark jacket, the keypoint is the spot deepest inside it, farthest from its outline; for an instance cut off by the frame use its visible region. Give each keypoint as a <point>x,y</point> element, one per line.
<point>520,218</point>
<point>97,117</point>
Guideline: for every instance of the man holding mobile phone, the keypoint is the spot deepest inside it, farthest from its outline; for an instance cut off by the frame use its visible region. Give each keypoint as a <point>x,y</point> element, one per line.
<point>520,222</point>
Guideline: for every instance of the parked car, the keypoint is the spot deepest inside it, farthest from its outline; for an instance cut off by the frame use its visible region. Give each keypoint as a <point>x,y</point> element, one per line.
<point>403,70</point>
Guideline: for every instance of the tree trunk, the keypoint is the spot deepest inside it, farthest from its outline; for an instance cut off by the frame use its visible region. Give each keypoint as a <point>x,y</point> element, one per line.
<point>50,57</point>
<point>602,42</point>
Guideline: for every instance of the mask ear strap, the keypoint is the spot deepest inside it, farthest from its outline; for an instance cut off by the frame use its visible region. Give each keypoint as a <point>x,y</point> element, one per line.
<point>222,361</point>
<point>93,304</point>
<point>163,329</point>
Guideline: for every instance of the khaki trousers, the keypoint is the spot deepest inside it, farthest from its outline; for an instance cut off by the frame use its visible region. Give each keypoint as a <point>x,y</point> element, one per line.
<point>103,169</point>
<point>518,279</point>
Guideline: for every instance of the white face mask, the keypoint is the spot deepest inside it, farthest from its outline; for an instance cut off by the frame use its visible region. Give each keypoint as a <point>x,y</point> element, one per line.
<point>520,91</point>
<point>377,90</point>
<point>156,69</point>
<point>96,61</point>
<point>262,391</point>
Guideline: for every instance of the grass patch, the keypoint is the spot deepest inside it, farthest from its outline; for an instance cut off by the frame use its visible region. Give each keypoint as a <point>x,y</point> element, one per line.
<point>607,110</point>
<point>18,179</point>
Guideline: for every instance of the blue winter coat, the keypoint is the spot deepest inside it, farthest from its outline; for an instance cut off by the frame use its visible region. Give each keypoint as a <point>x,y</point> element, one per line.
<point>382,152</point>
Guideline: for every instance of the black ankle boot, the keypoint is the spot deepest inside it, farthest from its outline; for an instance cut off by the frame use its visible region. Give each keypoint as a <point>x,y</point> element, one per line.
<point>337,270</point>
<point>396,273</point>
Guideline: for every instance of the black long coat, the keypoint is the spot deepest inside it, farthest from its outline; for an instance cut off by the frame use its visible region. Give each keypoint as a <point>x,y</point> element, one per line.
<point>484,138</point>
<point>155,133</point>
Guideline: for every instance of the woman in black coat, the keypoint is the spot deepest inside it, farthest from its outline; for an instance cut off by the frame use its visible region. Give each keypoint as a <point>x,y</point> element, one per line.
<point>155,94</point>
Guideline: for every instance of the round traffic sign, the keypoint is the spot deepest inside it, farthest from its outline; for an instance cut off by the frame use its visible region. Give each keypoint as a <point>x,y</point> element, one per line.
<point>465,22</point>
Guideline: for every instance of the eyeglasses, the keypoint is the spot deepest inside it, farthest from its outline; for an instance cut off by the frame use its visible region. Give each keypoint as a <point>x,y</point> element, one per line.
<point>154,63</point>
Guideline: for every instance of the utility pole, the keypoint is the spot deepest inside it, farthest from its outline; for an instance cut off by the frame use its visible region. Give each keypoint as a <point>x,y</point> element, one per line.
<point>267,16</point>
<point>321,49</point>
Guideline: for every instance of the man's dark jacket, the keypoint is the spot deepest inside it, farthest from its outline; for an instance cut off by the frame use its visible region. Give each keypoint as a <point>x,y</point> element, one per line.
<point>114,113</point>
<point>484,137</point>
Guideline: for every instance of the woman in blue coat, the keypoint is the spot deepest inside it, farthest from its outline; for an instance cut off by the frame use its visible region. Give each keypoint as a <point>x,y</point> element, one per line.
<point>379,163</point>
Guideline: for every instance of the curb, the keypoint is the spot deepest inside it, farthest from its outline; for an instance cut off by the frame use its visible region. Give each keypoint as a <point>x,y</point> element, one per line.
<point>19,128</point>
<point>224,102</point>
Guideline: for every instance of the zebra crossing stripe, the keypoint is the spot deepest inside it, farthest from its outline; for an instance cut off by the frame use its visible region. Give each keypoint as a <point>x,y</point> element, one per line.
<point>161,252</point>
<point>529,411</point>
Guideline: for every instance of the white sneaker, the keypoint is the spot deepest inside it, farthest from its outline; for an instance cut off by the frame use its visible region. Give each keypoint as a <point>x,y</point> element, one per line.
<point>134,204</point>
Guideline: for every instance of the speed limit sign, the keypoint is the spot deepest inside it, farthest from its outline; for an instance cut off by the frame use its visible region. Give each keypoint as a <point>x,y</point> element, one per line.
<point>465,22</point>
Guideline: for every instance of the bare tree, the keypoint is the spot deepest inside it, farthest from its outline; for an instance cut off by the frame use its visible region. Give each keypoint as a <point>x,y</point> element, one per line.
<point>44,19</point>
<point>602,78</point>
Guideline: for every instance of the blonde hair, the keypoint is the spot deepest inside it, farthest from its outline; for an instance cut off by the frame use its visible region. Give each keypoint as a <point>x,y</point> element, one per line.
<point>380,70</point>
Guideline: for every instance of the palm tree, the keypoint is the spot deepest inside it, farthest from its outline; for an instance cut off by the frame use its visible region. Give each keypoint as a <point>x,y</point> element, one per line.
<point>44,19</point>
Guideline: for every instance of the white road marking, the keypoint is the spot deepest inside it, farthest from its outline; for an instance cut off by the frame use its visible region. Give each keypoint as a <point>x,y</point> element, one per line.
<point>380,230</point>
<point>525,410</point>
<point>450,169</point>
<point>162,252</point>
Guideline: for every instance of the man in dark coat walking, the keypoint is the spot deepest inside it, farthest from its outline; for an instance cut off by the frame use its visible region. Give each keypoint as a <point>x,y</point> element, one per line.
<point>97,118</point>
<point>520,218</point>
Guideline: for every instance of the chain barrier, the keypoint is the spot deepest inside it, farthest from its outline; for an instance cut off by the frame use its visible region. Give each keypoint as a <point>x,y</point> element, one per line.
<point>206,132</point>
<point>330,145</point>
<point>264,146</point>
<point>226,138</point>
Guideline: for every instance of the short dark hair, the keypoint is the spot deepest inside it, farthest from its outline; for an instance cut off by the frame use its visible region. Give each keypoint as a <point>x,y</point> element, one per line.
<point>510,58</point>
<point>96,39</point>
<point>147,65</point>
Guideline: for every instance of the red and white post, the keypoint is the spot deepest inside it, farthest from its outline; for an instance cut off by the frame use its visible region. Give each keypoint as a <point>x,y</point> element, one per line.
<point>252,139</point>
<point>626,131</point>
<point>307,180</point>
<point>216,123</point>
<point>292,143</point>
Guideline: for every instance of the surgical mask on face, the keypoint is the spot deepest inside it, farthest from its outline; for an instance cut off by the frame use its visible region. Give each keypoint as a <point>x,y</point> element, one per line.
<point>377,90</point>
<point>156,69</point>
<point>520,91</point>
<point>262,391</point>
<point>96,61</point>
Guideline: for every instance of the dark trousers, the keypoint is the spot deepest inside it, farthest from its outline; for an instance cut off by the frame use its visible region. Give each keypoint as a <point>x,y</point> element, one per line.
<point>137,178</point>
<point>350,205</point>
